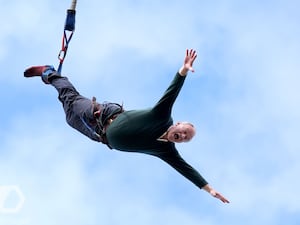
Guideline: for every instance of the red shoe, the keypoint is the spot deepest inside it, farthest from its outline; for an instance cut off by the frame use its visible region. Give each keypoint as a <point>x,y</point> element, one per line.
<point>35,71</point>
<point>45,72</point>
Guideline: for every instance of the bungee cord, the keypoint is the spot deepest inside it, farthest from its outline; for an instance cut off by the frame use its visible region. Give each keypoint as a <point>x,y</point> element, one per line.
<point>67,34</point>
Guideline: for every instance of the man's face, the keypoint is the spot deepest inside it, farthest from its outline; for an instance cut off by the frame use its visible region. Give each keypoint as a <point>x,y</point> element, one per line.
<point>181,132</point>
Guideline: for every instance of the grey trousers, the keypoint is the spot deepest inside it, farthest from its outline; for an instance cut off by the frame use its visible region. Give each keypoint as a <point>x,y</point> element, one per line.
<point>78,109</point>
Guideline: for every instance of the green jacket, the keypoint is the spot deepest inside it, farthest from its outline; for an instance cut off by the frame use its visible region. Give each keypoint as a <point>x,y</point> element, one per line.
<point>138,131</point>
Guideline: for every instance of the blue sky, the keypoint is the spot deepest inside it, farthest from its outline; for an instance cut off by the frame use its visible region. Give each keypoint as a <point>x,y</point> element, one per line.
<point>243,98</point>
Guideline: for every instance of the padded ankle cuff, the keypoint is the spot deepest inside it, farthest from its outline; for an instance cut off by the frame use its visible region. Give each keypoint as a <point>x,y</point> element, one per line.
<point>47,74</point>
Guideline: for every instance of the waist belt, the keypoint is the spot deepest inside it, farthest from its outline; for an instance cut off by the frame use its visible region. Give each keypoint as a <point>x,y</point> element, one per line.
<point>104,115</point>
<point>102,132</point>
<point>110,120</point>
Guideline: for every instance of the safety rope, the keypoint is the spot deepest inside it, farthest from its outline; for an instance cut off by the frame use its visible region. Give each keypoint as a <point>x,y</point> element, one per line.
<point>67,34</point>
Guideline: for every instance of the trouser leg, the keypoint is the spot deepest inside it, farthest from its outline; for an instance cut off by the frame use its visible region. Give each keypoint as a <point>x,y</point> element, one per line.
<point>75,105</point>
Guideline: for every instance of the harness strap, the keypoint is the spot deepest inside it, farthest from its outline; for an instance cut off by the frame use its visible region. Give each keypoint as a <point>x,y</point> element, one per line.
<point>67,35</point>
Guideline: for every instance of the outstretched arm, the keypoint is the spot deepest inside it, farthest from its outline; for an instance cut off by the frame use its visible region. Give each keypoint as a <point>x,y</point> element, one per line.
<point>189,59</point>
<point>214,193</point>
<point>173,158</point>
<point>164,105</point>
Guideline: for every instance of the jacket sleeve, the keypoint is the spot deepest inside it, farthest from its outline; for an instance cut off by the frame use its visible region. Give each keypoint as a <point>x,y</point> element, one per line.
<point>165,104</point>
<point>178,163</point>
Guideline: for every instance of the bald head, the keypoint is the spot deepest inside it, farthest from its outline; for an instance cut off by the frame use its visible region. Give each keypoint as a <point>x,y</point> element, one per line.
<point>181,132</point>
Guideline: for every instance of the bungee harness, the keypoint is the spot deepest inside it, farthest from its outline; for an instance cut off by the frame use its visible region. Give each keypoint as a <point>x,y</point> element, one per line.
<point>103,113</point>
<point>67,34</point>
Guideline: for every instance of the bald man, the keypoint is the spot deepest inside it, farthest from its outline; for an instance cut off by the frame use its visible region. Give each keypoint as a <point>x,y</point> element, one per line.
<point>149,131</point>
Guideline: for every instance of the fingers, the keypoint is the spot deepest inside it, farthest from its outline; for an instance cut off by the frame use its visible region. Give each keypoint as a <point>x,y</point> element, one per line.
<point>226,201</point>
<point>192,54</point>
<point>219,196</point>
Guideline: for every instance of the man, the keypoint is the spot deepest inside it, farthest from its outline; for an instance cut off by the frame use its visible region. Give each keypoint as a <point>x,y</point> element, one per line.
<point>150,131</point>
